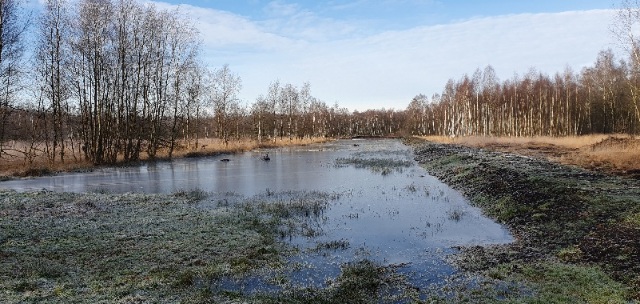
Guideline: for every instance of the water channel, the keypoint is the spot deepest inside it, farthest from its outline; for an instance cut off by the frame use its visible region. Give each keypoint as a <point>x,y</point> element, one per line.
<point>401,216</point>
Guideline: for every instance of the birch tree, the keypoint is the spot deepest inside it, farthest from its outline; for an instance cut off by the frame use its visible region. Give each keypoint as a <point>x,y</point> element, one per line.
<point>625,29</point>
<point>12,30</point>
<point>224,93</point>
<point>52,62</point>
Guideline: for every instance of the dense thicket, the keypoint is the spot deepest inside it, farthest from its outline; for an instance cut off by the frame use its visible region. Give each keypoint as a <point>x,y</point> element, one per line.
<point>115,80</point>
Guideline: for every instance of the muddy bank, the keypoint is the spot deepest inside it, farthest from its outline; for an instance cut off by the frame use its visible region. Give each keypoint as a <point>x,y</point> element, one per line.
<point>561,216</point>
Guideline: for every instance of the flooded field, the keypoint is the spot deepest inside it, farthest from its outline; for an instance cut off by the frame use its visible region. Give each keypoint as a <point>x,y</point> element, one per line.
<point>371,201</point>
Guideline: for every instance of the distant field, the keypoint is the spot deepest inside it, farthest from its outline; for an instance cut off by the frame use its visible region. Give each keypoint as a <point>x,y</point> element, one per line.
<point>615,154</point>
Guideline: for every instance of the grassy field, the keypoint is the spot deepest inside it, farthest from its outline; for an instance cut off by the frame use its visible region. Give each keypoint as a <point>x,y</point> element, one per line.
<point>139,248</point>
<point>576,230</point>
<point>63,247</point>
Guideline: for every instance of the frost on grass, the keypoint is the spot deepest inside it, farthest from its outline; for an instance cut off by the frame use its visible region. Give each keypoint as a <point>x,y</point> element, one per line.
<point>98,247</point>
<point>93,247</point>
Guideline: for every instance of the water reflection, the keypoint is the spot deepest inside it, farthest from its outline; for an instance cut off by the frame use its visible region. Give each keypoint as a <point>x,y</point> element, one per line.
<point>402,217</point>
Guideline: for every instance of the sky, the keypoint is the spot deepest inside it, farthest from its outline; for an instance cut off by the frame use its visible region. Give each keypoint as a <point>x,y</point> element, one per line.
<point>366,54</point>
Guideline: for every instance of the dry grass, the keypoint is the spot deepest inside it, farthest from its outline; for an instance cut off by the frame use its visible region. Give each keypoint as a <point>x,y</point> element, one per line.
<point>16,163</point>
<point>569,142</point>
<point>22,159</point>
<point>212,146</point>
<point>617,154</point>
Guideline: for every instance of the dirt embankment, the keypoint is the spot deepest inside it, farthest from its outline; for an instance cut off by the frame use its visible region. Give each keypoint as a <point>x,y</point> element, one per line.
<point>556,212</point>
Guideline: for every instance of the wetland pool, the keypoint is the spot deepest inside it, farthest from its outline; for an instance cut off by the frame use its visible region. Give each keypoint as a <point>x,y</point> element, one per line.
<point>383,207</point>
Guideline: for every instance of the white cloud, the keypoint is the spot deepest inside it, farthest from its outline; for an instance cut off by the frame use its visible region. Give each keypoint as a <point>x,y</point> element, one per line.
<point>387,69</point>
<point>281,9</point>
<point>224,30</point>
<point>293,21</point>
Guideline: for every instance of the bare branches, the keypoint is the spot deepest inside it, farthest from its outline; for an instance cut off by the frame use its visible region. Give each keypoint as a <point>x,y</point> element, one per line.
<point>12,29</point>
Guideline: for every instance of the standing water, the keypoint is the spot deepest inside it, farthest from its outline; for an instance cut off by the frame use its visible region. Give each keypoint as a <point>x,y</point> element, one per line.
<point>386,208</point>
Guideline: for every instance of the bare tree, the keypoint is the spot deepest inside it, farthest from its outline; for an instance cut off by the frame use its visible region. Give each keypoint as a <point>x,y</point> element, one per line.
<point>196,99</point>
<point>273,96</point>
<point>625,29</point>
<point>224,93</point>
<point>289,107</point>
<point>52,61</point>
<point>12,30</point>
<point>415,119</point>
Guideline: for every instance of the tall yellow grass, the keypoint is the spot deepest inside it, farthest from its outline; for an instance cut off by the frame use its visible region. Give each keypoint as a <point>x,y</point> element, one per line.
<point>610,153</point>
<point>570,142</point>
<point>215,145</point>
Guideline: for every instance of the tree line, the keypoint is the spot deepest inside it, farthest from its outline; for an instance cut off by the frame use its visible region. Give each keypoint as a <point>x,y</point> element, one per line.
<point>115,80</point>
<point>599,99</point>
<point>602,98</point>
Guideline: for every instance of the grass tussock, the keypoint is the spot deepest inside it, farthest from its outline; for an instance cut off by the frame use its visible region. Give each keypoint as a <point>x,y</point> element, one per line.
<point>561,283</point>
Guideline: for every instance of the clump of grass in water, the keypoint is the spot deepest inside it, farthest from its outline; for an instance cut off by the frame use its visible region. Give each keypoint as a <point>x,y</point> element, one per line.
<point>333,245</point>
<point>456,214</point>
<point>291,203</point>
<point>368,154</point>
<point>293,212</point>
<point>193,195</point>
<point>383,166</point>
<point>366,281</point>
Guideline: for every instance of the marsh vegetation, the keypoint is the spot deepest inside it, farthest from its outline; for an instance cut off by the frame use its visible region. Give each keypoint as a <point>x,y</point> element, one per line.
<point>352,235</point>
<point>574,227</point>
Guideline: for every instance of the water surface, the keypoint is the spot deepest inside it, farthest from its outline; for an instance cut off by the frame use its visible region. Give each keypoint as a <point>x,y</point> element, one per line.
<point>401,216</point>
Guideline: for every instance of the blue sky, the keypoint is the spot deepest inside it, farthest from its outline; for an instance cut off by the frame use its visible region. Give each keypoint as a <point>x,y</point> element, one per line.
<point>373,54</point>
<point>402,13</point>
